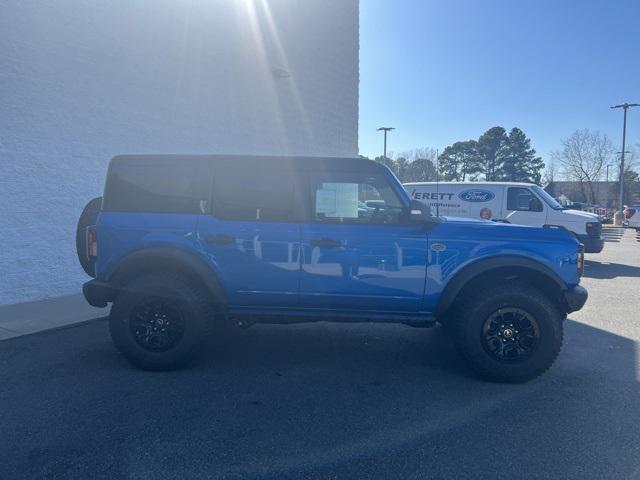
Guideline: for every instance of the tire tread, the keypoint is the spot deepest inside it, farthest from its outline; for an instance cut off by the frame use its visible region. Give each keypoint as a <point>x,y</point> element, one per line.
<point>492,294</point>
<point>202,307</point>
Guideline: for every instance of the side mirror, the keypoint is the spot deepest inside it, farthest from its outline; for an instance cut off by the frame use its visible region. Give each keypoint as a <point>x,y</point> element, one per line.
<point>419,212</point>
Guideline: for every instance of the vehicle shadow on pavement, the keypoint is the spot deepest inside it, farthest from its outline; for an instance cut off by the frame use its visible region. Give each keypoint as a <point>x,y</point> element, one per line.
<point>605,270</point>
<point>321,400</point>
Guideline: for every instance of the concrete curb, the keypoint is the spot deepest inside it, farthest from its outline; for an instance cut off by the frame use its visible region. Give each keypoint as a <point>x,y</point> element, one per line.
<point>53,313</point>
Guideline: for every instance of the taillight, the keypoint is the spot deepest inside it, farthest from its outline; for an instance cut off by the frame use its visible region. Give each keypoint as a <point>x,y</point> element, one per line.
<point>92,243</point>
<point>580,260</point>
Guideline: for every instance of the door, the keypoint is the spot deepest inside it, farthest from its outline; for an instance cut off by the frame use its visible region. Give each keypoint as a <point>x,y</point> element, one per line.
<point>523,207</point>
<point>358,251</point>
<point>253,236</point>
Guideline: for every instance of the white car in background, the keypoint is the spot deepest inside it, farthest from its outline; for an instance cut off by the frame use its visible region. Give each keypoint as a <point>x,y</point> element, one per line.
<point>632,216</point>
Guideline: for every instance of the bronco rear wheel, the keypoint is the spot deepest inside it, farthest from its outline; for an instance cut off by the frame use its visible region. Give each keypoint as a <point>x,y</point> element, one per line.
<point>158,321</point>
<point>510,332</point>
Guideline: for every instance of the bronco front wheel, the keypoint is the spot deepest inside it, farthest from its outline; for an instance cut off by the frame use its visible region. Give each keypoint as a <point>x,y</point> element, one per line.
<point>509,332</point>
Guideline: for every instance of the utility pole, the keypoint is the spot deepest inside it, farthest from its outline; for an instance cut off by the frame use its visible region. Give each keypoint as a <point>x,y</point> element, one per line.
<point>608,165</point>
<point>624,106</point>
<point>385,130</point>
<point>607,187</point>
<point>617,153</point>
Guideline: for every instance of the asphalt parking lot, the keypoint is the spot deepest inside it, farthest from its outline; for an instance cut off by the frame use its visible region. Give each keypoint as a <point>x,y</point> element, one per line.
<point>332,401</point>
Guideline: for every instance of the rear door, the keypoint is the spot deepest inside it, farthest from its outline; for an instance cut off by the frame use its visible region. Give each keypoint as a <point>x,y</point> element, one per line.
<point>252,236</point>
<point>360,258</point>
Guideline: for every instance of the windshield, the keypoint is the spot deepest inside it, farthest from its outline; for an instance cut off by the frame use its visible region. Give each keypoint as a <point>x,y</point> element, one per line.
<point>552,202</point>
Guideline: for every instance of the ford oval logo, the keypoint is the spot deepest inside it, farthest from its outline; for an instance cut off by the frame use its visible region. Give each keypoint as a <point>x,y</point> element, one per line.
<point>476,195</point>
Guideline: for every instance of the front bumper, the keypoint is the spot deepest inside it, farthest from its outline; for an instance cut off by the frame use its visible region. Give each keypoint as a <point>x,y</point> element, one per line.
<point>591,244</point>
<point>98,293</point>
<point>575,298</point>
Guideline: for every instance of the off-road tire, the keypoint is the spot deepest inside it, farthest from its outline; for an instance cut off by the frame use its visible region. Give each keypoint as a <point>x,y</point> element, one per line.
<point>475,308</point>
<point>88,217</point>
<point>183,296</point>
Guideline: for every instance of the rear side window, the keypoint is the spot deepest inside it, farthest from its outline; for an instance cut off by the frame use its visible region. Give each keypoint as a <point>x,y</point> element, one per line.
<point>258,196</point>
<point>176,187</point>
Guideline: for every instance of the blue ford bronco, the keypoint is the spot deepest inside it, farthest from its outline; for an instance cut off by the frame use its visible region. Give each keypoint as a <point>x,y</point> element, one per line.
<point>189,246</point>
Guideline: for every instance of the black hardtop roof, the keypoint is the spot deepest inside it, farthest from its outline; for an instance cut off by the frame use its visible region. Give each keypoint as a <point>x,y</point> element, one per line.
<point>254,161</point>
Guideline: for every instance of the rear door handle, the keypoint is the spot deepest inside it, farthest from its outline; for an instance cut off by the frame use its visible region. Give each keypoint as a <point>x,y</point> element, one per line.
<point>219,239</point>
<point>325,243</point>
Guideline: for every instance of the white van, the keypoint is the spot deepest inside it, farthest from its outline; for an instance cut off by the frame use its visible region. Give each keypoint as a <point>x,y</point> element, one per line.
<point>519,203</point>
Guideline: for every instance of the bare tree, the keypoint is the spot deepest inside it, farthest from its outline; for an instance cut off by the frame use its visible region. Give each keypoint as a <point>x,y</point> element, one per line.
<point>583,158</point>
<point>631,159</point>
<point>550,173</point>
<point>418,153</point>
<point>417,165</point>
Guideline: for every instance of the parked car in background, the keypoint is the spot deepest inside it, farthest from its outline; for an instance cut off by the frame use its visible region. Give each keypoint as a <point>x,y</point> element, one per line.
<point>632,216</point>
<point>187,245</point>
<point>517,203</point>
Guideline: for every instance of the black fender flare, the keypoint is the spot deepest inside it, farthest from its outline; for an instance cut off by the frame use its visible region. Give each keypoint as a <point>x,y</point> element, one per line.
<point>166,257</point>
<point>467,273</point>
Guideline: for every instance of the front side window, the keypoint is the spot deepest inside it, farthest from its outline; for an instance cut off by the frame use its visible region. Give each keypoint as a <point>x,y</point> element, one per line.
<point>257,196</point>
<point>354,199</point>
<point>522,199</point>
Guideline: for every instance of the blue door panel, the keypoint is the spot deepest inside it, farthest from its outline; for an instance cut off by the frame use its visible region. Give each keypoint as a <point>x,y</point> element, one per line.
<point>258,262</point>
<point>372,268</point>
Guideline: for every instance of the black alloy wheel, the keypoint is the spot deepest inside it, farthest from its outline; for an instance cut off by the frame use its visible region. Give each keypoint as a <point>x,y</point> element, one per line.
<point>156,325</point>
<point>510,335</point>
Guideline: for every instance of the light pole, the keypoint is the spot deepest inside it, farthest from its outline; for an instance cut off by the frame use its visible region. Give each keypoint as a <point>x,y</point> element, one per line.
<point>385,130</point>
<point>618,153</point>
<point>624,106</point>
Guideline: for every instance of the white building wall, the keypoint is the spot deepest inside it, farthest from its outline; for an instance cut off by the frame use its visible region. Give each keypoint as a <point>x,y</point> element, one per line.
<point>82,81</point>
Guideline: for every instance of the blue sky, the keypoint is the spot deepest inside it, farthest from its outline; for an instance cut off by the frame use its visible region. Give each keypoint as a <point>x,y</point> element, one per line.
<point>442,71</point>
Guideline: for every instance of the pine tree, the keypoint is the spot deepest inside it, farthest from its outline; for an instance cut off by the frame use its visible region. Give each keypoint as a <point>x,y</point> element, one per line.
<point>421,170</point>
<point>402,166</point>
<point>519,162</point>
<point>491,149</point>
<point>460,162</point>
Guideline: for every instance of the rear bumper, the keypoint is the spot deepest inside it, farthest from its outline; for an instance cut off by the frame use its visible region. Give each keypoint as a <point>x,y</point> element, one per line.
<point>575,298</point>
<point>591,244</point>
<point>98,293</point>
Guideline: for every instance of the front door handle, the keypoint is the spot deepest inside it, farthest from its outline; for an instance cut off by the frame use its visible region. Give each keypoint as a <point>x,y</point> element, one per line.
<point>325,243</point>
<point>219,239</point>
